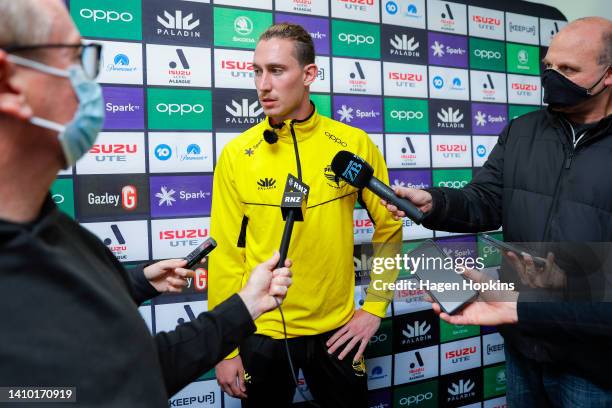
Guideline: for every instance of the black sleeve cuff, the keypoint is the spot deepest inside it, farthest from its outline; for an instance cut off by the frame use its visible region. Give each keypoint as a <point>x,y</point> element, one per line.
<point>140,287</point>
<point>235,315</point>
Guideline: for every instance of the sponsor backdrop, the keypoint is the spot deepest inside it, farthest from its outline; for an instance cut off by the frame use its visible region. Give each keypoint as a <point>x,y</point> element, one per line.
<point>433,82</point>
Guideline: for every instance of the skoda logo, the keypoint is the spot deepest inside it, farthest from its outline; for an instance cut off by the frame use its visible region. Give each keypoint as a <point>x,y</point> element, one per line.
<point>243,25</point>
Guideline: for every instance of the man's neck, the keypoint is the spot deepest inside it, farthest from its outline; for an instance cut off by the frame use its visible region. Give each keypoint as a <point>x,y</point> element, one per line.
<point>25,178</point>
<point>301,113</point>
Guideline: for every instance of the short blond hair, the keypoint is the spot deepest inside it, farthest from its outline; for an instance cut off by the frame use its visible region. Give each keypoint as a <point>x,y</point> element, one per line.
<point>304,46</point>
<point>23,22</point>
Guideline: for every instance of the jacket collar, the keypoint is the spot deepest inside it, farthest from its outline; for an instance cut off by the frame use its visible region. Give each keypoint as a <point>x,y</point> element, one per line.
<point>303,129</point>
<point>602,128</point>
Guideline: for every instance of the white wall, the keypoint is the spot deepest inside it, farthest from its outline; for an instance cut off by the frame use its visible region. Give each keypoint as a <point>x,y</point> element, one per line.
<point>574,9</point>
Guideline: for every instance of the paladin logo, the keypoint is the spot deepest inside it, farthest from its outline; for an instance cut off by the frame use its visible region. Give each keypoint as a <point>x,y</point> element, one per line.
<point>450,118</point>
<point>461,390</point>
<point>178,26</point>
<point>332,180</point>
<point>165,197</point>
<point>266,183</point>
<point>416,333</point>
<point>404,46</point>
<point>244,112</point>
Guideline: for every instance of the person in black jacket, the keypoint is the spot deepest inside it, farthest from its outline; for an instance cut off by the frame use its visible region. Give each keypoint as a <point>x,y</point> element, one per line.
<point>70,315</point>
<point>547,181</point>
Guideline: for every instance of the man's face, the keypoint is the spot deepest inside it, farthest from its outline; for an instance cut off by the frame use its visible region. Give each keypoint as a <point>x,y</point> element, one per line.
<point>43,91</point>
<point>282,84</point>
<point>574,52</point>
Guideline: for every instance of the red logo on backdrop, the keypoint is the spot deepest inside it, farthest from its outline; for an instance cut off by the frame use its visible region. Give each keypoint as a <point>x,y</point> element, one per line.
<point>129,197</point>
<point>201,279</point>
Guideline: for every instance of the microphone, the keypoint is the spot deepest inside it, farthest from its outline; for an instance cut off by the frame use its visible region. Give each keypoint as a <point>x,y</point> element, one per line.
<point>293,207</point>
<point>358,173</point>
<point>270,136</point>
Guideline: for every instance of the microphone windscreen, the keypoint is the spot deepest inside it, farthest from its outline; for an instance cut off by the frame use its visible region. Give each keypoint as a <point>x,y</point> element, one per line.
<point>270,136</point>
<point>352,169</point>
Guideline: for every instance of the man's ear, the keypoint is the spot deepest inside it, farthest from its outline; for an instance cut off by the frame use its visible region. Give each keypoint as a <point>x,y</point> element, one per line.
<point>310,74</point>
<point>608,79</point>
<point>12,99</point>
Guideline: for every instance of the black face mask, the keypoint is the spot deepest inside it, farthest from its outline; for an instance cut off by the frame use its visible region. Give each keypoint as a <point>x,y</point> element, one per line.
<point>560,92</point>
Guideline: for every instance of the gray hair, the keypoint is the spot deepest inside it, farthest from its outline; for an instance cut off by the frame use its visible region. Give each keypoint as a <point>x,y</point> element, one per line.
<point>605,57</point>
<point>23,22</point>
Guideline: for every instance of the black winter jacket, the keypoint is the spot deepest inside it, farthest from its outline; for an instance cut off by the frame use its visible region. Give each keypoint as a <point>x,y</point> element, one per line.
<point>540,187</point>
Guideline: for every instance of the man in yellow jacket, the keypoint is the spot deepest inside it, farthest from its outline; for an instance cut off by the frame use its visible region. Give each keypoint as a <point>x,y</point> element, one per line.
<point>327,336</point>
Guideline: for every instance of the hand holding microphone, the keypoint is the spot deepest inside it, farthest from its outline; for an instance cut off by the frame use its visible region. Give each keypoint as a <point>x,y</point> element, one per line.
<point>420,198</point>
<point>358,173</point>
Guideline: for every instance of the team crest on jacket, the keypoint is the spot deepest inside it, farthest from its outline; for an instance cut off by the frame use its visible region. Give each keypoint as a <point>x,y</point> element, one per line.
<point>332,180</point>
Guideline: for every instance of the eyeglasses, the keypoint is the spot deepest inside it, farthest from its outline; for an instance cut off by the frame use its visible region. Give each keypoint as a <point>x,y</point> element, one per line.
<point>89,54</point>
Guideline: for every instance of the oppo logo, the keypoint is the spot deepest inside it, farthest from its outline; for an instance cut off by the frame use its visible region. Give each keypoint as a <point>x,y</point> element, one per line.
<point>129,197</point>
<point>356,38</point>
<point>108,16</point>
<point>416,399</point>
<point>335,139</point>
<point>406,115</point>
<point>59,199</point>
<point>486,20</point>
<point>452,184</point>
<point>487,54</point>
<point>183,108</point>
<point>405,77</point>
<point>378,339</point>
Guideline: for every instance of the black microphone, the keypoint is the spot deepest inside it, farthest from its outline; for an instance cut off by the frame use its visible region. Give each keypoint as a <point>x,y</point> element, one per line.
<point>358,173</point>
<point>293,207</point>
<point>270,136</point>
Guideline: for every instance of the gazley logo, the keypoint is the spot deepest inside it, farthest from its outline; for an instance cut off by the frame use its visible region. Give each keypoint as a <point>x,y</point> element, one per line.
<point>113,152</point>
<point>129,197</point>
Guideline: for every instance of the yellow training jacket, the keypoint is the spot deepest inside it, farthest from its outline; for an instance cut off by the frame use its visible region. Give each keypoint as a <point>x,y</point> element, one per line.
<point>247,223</point>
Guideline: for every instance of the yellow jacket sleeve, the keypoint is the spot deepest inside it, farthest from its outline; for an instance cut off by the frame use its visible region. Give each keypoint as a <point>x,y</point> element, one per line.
<point>226,264</point>
<point>387,239</point>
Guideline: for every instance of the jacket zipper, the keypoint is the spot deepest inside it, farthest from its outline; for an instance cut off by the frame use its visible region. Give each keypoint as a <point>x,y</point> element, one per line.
<point>297,153</point>
<point>569,152</point>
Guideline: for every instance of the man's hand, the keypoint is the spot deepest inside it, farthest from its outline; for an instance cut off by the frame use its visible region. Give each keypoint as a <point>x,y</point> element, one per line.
<point>421,198</point>
<point>168,275</point>
<point>264,285</point>
<point>491,308</point>
<point>359,329</point>
<point>230,377</point>
<point>550,276</point>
